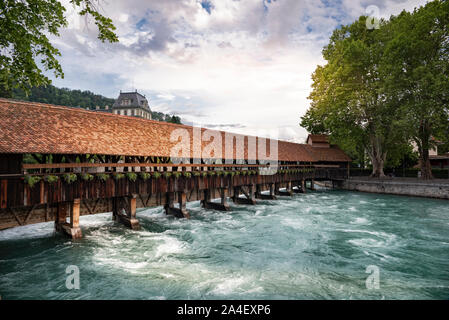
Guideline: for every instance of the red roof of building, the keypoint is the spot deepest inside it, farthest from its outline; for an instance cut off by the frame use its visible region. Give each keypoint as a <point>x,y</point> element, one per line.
<point>331,154</point>
<point>29,127</point>
<point>318,138</point>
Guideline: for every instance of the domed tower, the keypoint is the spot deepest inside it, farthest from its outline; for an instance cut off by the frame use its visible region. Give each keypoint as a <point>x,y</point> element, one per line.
<point>132,104</point>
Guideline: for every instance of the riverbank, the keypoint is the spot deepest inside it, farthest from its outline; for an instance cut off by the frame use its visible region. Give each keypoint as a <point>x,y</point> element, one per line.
<point>438,188</point>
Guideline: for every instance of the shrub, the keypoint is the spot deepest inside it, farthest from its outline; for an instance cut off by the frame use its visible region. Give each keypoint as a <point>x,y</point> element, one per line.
<point>32,180</point>
<point>177,174</point>
<point>69,177</point>
<point>102,176</point>
<point>225,173</point>
<point>118,176</point>
<point>244,173</point>
<point>204,174</point>
<point>237,173</point>
<point>219,172</point>
<point>167,174</point>
<point>156,175</point>
<point>132,176</point>
<point>51,179</point>
<point>145,176</point>
<point>196,173</point>
<point>188,175</point>
<point>211,173</point>
<point>86,176</point>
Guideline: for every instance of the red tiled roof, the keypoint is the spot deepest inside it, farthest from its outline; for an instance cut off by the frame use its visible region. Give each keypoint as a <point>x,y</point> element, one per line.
<point>29,127</point>
<point>318,138</point>
<point>332,154</point>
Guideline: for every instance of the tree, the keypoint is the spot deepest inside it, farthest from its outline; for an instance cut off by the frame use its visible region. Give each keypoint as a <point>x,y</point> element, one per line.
<point>347,98</point>
<point>418,57</point>
<point>24,28</point>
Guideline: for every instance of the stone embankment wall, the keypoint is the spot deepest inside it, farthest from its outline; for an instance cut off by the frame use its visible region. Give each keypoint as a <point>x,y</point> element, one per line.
<point>433,189</point>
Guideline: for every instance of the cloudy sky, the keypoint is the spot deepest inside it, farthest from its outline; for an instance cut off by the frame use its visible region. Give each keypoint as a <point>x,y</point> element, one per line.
<point>243,66</point>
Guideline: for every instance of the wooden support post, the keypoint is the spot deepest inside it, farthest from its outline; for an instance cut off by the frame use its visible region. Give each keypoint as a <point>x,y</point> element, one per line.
<point>276,188</point>
<point>303,186</point>
<point>312,184</point>
<point>250,195</point>
<point>180,212</point>
<point>72,209</point>
<point>126,216</point>
<point>260,195</point>
<point>288,190</point>
<point>208,204</point>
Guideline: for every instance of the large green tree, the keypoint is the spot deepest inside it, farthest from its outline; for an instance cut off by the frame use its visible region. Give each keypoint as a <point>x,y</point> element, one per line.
<point>25,48</point>
<point>347,99</point>
<point>418,75</point>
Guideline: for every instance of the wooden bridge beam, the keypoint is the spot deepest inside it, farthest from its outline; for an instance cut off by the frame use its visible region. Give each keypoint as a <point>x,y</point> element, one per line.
<point>249,194</point>
<point>270,196</point>
<point>288,190</point>
<point>208,204</point>
<point>72,209</point>
<point>180,212</point>
<point>124,211</point>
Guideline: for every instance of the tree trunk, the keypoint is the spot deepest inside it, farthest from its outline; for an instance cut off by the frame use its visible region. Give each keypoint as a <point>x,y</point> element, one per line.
<point>377,157</point>
<point>423,142</point>
<point>426,168</point>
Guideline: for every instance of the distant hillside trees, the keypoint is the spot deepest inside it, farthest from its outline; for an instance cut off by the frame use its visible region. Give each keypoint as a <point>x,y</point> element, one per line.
<point>25,47</point>
<point>383,88</point>
<point>77,98</point>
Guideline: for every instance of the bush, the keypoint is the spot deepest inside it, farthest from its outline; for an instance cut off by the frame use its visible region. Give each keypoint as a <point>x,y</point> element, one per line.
<point>69,177</point>
<point>156,175</point>
<point>32,180</point>
<point>177,174</point>
<point>102,176</point>
<point>117,176</point>
<point>167,174</point>
<point>132,176</point>
<point>204,174</point>
<point>196,173</point>
<point>145,176</point>
<point>211,173</point>
<point>188,175</point>
<point>51,179</point>
<point>86,176</point>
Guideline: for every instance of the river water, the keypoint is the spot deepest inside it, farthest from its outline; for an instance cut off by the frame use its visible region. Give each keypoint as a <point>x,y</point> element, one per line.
<point>310,246</point>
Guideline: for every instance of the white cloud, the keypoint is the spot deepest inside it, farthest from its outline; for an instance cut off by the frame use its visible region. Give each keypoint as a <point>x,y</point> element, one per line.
<point>246,65</point>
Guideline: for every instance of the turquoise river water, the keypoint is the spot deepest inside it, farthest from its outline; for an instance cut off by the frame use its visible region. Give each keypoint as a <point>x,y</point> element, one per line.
<point>310,246</point>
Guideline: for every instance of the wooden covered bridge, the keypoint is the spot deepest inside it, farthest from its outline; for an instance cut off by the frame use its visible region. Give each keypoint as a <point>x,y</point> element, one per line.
<point>57,163</point>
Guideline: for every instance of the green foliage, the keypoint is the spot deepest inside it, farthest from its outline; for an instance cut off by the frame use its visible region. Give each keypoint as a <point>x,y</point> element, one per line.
<point>204,174</point>
<point>69,177</point>
<point>156,175</point>
<point>75,98</point>
<point>132,176</point>
<point>219,172</point>
<point>32,180</point>
<point>177,174</point>
<point>51,179</point>
<point>382,88</point>
<point>24,38</point>
<point>102,176</point>
<point>117,176</point>
<point>211,173</point>
<point>243,172</point>
<point>145,176</point>
<point>87,177</point>
<point>196,173</point>
<point>167,174</point>
<point>188,175</point>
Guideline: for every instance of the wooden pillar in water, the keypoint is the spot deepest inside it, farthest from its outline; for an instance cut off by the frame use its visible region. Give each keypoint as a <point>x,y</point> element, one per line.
<point>270,196</point>
<point>288,190</point>
<point>71,229</point>
<point>180,212</point>
<point>208,204</point>
<point>126,216</point>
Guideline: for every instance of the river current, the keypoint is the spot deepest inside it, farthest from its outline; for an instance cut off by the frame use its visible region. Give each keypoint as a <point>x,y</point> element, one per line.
<point>319,245</point>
